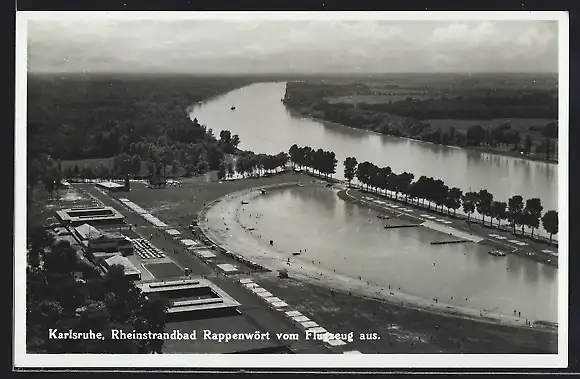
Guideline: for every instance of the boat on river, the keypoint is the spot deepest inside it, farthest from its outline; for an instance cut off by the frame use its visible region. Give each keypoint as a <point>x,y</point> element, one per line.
<point>497,253</point>
<point>383,217</point>
<point>296,253</point>
<point>233,108</point>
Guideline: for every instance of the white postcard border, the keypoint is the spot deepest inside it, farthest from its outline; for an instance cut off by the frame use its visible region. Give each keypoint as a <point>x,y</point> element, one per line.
<point>330,361</point>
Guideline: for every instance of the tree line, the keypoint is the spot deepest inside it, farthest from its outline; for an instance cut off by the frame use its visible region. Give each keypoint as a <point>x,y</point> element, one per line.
<point>500,136</point>
<point>324,162</point>
<point>518,213</point>
<point>249,163</point>
<point>144,159</point>
<point>431,191</point>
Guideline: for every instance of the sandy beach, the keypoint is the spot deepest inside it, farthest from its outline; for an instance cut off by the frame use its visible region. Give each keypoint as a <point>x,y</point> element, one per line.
<point>220,223</point>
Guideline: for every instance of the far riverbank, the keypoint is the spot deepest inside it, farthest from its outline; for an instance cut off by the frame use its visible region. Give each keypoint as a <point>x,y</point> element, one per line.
<point>486,150</point>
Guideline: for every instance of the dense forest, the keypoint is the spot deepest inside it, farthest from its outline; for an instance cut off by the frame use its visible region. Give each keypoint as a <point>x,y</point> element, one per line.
<point>406,117</point>
<point>141,122</point>
<point>75,117</point>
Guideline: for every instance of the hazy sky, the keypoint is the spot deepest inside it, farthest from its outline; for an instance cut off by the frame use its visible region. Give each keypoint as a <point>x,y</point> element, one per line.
<point>259,46</point>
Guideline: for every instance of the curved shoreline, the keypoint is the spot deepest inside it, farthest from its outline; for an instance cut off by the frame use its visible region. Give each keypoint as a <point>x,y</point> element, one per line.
<point>230,235</point>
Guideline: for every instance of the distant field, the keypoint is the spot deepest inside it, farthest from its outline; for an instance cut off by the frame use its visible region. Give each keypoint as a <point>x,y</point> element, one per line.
<point>459,81</point>
<point>397,87</point>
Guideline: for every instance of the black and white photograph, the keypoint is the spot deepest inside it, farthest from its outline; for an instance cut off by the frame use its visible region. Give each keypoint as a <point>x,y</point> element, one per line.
<point>328,189</point>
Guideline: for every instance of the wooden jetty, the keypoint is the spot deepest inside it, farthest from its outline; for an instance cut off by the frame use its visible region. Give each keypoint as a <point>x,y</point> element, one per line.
<point>448,242</point>
<point>401,226</point>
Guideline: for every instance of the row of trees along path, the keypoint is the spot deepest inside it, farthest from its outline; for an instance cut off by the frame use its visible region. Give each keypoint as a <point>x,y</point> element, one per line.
<point>426,191</point>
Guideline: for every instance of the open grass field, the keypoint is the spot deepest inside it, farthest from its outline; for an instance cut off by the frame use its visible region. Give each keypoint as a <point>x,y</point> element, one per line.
<point>164,270</point>
<point>178,206</point>
<point>398,87</point>
<point>457,81</point>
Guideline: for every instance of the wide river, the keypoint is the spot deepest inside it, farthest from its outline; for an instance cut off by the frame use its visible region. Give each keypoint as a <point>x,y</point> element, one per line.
<point>350,240</point>
<point>265,125</point>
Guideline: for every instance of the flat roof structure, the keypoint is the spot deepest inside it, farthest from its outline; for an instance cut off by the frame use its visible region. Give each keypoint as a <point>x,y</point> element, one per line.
<point>134,207</point>
<point>309,324</point>
<point>90,215</point>
<point>188,242</point>
<point>130,269</point>
<point>110,185</point>
<point>205,254</point>
<point>191,295</point>
<point>86,231</point>
<point>318,330</point>
<point>227,267</point>
<point>154,220</point>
